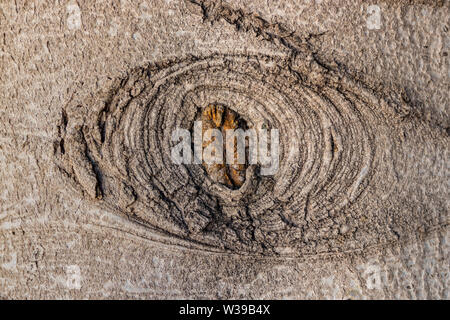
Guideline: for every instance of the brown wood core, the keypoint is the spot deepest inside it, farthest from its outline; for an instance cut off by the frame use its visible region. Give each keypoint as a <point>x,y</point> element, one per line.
<point>223,118</point>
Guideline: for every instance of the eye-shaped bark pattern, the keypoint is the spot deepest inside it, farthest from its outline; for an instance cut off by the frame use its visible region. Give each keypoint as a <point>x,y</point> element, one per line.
<point>346,164</point>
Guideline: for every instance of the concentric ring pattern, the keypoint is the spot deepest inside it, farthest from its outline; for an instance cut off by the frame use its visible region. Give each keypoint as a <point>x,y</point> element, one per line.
<point>328,126</point>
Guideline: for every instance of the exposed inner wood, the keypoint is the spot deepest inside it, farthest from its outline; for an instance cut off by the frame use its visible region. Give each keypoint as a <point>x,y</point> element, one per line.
<point>223,118</point>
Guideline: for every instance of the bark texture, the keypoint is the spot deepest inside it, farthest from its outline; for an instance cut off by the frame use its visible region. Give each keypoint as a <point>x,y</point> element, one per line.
<point>92,205</point>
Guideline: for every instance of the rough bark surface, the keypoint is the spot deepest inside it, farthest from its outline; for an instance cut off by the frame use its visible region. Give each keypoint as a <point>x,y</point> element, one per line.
<point>93,207</point>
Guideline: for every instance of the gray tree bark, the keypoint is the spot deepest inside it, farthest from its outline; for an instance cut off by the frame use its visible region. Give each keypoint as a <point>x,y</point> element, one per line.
<point>91,205</point>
